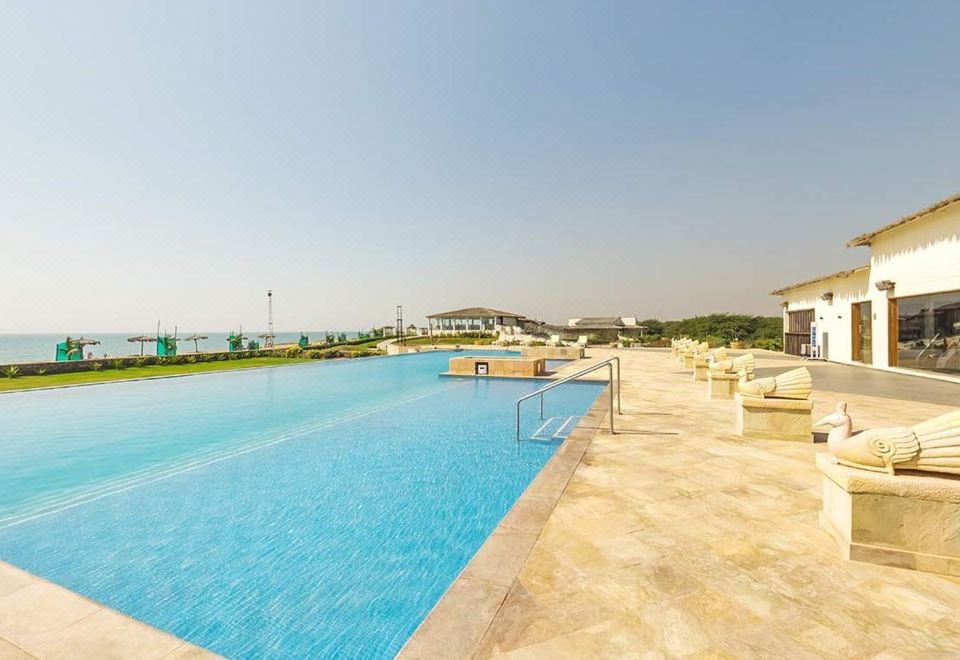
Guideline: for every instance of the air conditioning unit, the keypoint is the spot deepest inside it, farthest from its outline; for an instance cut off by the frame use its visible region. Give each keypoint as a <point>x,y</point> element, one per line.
<point>885,285</point>
<point>827,295</point>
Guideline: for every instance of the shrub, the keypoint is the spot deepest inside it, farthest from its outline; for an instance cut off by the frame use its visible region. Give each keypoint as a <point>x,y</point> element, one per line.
<point>314,355</point>
<point>11,371</point>
<point>41,371</point>
<point>774,344</point>
<point>95,366</point>
<point>294,352</point>
<point>140,362</point>
<point>119,364</point>
<point>192,359</point>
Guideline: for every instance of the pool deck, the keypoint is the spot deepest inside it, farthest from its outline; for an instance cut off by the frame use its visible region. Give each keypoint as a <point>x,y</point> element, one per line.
<point>675,537</point>
<point>672,537</point>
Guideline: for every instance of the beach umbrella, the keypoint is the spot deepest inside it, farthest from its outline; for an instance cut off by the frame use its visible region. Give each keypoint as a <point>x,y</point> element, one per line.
<point>142,339</point>
<point>195,339</point>
<point>83,342</point>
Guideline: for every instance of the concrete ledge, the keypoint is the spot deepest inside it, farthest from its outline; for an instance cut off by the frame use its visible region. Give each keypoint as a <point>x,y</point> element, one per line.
<point>459,620</point>
<point>553,352</point>
<point>905,520</point>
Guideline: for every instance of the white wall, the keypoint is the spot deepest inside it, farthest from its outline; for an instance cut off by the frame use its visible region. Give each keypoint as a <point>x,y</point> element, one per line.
<point>833,317</point>
<point>920,257</point>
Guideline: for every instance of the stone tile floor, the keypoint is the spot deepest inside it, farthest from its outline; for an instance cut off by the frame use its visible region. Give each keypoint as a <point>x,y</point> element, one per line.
<point>675,538</point>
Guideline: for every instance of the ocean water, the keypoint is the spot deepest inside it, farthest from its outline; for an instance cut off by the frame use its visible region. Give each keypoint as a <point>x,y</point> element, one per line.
<point>313,510</point>
<point>40,347</point>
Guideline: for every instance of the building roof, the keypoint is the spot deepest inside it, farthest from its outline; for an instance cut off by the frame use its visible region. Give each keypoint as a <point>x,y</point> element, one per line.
<point>599,322</point>
<point>468,312</point>
<point>866,239</point>
<point>824,278</point>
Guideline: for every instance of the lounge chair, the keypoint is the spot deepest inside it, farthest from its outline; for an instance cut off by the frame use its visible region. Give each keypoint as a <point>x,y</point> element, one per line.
<point>582,341</point>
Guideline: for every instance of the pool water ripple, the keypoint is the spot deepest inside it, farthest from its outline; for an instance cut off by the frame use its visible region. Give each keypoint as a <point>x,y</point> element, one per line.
<point>312,511</point>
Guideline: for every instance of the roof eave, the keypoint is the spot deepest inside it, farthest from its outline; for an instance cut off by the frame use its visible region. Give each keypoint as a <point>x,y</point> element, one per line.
<point>867,238</point>
<point>832,276</point>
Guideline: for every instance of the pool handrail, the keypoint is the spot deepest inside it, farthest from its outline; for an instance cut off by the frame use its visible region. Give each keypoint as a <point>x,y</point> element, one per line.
<point>566,379</point>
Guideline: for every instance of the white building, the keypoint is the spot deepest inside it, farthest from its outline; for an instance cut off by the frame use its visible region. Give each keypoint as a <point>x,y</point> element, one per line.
<point>475,319</point>
<point>899,312</point>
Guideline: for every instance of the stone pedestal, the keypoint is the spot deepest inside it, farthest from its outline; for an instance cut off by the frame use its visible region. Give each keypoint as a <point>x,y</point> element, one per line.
<point>701,369</point>
<point>722,385</point>
<point>904,520</point>
<point>774,419</point>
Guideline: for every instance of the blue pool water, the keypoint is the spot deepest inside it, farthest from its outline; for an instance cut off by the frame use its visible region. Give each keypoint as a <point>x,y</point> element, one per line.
<point>305,511</point>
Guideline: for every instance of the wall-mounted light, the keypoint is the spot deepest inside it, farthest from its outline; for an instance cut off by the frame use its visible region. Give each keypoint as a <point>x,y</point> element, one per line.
<point>885,285</point>
<point>827,295</point>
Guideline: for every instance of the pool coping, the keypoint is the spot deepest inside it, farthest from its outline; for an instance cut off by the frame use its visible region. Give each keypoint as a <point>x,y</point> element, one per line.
<point>41,619</point>
<point>456,625</point>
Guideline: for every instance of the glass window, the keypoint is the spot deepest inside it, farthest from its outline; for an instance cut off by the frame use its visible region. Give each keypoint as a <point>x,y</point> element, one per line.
<point>929,332</point>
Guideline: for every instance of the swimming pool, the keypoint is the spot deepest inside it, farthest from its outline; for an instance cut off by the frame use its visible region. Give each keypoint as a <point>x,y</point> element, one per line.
<point>312,510</point>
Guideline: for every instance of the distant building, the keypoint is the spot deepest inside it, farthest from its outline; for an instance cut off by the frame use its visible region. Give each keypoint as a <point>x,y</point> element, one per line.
<point>607,328</point>
<point>900,311</point>
<point>475,319</point>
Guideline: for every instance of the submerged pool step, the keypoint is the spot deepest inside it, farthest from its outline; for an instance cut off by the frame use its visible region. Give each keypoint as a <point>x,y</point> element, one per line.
<point>555,428</point>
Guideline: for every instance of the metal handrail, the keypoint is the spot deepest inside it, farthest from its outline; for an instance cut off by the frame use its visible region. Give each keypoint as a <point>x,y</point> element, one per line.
<point>566,379</point>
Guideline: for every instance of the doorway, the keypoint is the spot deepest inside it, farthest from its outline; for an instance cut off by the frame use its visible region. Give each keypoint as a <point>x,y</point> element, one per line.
<point>862,321</point>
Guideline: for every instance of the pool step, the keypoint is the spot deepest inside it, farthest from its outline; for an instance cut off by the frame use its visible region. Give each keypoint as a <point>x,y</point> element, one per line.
<point>555,428</point>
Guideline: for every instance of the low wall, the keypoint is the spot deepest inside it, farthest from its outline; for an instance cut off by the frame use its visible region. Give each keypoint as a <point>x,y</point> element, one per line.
<point>553,352</point>
<point>36,368</point>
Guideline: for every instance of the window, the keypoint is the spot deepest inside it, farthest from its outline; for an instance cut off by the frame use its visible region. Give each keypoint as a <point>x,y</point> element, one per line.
<point>928,335</point>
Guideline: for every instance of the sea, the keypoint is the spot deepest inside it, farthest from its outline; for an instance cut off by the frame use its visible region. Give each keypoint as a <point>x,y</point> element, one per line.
<point>43,347</point>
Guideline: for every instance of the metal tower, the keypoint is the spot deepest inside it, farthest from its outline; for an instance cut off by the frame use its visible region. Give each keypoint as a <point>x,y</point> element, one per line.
<point>401,335</point>
<point>268,338</point>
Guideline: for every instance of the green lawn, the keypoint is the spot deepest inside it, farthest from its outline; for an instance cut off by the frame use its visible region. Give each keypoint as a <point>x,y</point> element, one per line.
<point>109,375</point>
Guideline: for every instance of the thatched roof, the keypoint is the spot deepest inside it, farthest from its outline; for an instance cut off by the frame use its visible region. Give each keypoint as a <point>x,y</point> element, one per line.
<point>473,312</point>
<point>141,339</point>
<point>600,322</point>
<point>867,238</point>
<point>842,273</point>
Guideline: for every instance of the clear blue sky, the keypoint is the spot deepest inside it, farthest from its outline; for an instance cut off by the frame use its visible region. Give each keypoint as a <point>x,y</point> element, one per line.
<point>175,160</point>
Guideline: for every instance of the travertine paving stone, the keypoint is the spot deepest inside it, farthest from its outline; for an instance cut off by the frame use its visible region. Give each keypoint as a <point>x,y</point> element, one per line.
<point>675,537</point>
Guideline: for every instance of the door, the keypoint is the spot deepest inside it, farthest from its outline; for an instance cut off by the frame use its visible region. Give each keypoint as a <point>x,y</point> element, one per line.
<point>893,333</point>
<point>797,332</point>
<point>862,321</point>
